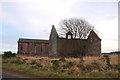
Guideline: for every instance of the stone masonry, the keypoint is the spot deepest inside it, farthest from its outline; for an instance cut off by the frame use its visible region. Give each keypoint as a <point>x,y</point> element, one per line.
<point>61,47</point>
<point>70,47</point>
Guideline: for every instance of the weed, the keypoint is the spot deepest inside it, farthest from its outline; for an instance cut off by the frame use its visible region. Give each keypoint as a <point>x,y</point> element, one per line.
<point>39,65</point>
<point>17,62</point>
<point>62,59</point>
<point>55,64</point>
<point>81,67</point>
<point>4,61</point>
<point>34,66</point>
<point>96,66</point>
<point>73,70</point>
<point>81,60</point>
<point>25,59</point>
<point>69,64</point>
<point>108,67</point>
<point>33,62</point>
<point>88,68</point>
<point>117,67</point>
<point>41,59</point>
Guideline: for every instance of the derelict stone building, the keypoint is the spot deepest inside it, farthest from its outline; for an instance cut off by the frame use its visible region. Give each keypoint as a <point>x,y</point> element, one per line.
<point>61,47</point>
<point>70,47</point>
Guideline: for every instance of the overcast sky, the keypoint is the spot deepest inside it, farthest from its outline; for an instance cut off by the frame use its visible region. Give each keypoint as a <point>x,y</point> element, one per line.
<point>34,19</point>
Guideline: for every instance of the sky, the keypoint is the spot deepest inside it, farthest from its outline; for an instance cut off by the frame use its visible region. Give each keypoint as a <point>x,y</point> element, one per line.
<point>34,19</point>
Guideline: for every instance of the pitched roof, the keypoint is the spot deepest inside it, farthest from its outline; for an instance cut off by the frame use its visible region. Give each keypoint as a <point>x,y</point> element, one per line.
<point>93,33</point>
<point>69,33</point>
<point>32,40</point>
<point>53,32</point>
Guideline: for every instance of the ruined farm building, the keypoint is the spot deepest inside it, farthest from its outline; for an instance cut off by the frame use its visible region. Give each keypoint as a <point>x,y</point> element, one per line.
<point>33,46</point>
<point>70,47</point>
<point>61,47</point>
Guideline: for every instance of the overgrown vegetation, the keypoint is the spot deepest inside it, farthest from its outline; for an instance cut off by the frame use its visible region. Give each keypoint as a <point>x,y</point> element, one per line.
<point>117,67</point>
<point>108,67</point>
<point>70,68</point>
<point>55,64</point>
<point>8,54</point>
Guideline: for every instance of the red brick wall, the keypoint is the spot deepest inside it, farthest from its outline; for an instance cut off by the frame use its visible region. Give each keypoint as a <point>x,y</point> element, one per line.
<point>33,48</point>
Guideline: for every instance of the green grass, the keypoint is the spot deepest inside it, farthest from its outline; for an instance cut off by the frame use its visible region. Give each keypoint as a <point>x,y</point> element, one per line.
<point>45,74</point>
<point>36,72</point>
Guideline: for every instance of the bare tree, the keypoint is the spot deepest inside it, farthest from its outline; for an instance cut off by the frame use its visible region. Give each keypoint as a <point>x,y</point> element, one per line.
<point>78,27</point>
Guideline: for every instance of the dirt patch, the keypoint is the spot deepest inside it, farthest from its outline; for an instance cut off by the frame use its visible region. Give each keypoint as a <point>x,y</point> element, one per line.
<point>6,73</point>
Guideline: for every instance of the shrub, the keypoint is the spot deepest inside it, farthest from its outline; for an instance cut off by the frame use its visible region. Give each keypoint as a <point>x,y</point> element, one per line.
<point>8,54</point>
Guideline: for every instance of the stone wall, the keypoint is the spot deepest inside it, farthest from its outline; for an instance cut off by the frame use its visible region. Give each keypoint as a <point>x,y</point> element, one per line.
<point>53,43</point>
<point>71,47</point>
<point>62,47</point>
<point>93,45</point>
<point>79,47</point>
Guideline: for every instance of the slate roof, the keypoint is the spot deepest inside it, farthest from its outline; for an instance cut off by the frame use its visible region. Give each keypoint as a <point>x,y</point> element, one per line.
<point>32,40</point>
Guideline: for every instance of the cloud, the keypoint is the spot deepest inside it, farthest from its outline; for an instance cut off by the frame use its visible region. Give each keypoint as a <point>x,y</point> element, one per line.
<point>110,29</point>
<point>35,18</point>
<point>58,0</point>
<point>112,17</point>
<point>109,45</point>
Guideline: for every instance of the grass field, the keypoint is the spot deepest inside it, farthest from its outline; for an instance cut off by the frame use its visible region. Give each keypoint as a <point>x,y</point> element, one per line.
<point>84,67</point>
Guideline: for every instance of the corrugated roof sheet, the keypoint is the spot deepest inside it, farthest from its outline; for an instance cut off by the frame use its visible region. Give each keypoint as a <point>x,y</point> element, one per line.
<point>32,40</point>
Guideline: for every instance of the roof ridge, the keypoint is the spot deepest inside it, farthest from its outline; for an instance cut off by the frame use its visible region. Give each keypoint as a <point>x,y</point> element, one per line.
<point>30,39</point>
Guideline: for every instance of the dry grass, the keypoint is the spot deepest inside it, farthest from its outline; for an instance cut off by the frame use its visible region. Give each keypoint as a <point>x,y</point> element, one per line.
<point>63,68</point>
<point>73,70</point>
<point>114,58</point>
<point>88,59</point>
